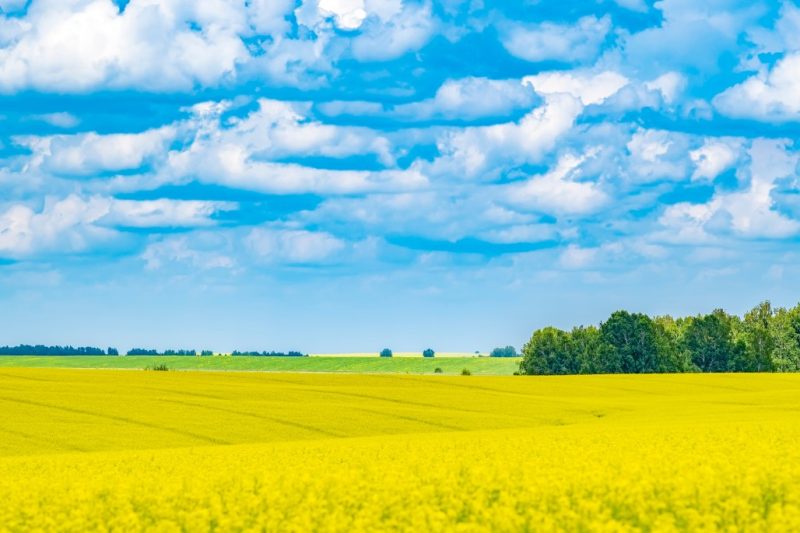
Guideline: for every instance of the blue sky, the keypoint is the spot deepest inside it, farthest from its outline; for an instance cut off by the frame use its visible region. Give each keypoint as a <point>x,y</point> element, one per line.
<point>345,175</point>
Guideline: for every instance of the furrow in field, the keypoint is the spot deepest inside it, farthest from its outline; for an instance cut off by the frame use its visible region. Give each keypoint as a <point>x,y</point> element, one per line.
<point>410,419</point>
<point>117,418</point>
<point>274,419</point>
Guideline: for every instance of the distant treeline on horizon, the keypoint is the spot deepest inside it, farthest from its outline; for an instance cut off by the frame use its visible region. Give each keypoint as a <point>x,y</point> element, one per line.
<point>40,349</point>
<point>765,339</point>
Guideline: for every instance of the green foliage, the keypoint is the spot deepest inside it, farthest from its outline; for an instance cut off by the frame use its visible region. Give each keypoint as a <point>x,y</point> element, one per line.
<point>386,352</point>
<point>765,340</point>
<point>636,340</point>
<point>758,340</point>
<point>786,334</point>
<point>508,351</point>
<point>465,372</point>
<point>710,343</point>
<point>428,353</point>
<point>548,352</point>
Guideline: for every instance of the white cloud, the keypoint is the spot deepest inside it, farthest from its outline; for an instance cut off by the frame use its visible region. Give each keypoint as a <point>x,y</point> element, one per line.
<point>246,153</point>
<point>381,29</point>
<point>199,250</point>
<point>589,88</point>
<point>292,246</point>
<point>64,226</point>
<point>470,98</point>
<point>394,33</point>
<point>90,153</point>
<point>78,45</point>
<point>477,151</point>
<point>785,36</point>
<point>558,191</point>
<point>748,213</point>
<point>549,41</point>
<point>575,257</point>
<point>74,224</point>
<point>768,96</point>
<point>60,120</point>
<point>461,99</point>
<point>714,157</point>
<point>348,14</point>
<point>270,17</point>
<point>163,213</point>
<point>657,155</point>
<point>670,85</point>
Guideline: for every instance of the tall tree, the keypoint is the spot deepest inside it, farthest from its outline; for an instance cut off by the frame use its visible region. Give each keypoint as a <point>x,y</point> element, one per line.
<point>634,338</point>
<point>547,352</point>
<point>758,340</point>
<point>786,334</point>
<point>590,354</point>
<point>710,343</point>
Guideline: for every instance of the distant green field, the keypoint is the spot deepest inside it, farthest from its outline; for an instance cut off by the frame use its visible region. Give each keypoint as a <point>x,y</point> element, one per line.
<point>410,365</point>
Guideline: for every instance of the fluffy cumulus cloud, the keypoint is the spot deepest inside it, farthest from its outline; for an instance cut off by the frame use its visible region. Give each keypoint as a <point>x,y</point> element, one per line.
<point>243,137</point>
<point>75,224</point>
<point>547,41</point>
<point>559,190</point>
<point>771,95</point>
<point>77,45</point>
<point>462,99</point>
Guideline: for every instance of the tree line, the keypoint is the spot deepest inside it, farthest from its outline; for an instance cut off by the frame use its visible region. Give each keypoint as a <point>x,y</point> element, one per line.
<point>765,339</point>
<point>40,349</point>
<point>290,353</point>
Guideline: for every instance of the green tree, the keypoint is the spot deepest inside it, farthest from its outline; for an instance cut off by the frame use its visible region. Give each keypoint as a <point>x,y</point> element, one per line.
<point>590,353</point>
<point>786,334</point>
<point>634,338</point>
<point>671,356</point>
<point>428,352</point>
<point>386,352</point>
<point>547,352</point>
<point>709,340</point>
<point>508,351</point>
<point>756,333</point>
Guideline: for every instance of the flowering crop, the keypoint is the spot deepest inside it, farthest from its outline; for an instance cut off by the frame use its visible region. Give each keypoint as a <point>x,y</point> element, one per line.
<point>612,453</point>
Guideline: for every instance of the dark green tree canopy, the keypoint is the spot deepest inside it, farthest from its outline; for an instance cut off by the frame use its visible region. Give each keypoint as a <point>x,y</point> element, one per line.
<point>764,340</point>
<point>508,351</point>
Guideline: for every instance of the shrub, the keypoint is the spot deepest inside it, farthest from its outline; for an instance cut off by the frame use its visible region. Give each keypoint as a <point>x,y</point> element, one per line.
<point>386,352</point>
<point>160,368</point>
<point>438,370</point>
<point>465,372</point>
<point>428,353</point>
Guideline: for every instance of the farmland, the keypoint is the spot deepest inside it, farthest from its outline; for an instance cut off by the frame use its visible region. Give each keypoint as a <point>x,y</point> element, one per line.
<point>328,363</point>
<point>107,449</point>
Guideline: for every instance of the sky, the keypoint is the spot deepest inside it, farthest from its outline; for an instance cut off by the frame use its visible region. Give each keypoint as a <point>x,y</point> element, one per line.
<point>349,175</point>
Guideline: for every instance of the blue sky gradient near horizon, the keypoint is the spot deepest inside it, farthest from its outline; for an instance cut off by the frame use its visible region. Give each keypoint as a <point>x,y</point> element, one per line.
<point>346,175</point>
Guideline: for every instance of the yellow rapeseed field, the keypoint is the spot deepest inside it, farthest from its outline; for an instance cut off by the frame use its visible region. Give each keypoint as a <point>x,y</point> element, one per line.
<point>202,451</point>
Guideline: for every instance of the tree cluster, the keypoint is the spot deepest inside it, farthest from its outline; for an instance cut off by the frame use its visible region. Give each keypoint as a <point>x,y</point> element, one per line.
<point>508,351</point>
<point>765,339</point>
<point>270,354</point>
<point>39,349</point>
<point>143,351</point>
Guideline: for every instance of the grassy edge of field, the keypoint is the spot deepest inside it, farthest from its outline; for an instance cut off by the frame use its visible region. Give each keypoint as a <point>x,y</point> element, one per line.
<point>346,364</point>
